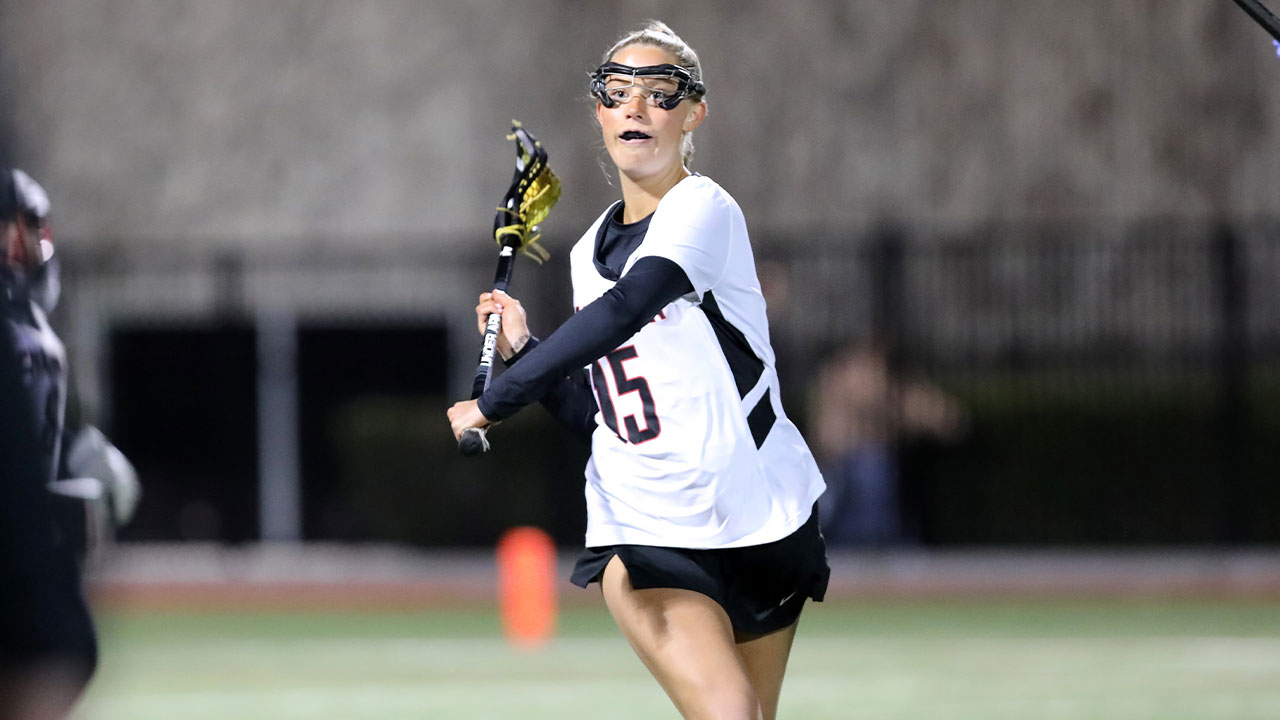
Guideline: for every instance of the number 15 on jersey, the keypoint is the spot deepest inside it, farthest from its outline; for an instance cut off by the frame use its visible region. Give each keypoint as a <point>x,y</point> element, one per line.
<point>627,427</point>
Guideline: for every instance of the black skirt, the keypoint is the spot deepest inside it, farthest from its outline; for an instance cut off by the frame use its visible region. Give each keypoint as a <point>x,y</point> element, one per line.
<point>761,587</point>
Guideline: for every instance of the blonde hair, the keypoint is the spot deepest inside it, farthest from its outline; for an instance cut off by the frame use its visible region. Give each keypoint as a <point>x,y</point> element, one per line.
<point>656,33</point>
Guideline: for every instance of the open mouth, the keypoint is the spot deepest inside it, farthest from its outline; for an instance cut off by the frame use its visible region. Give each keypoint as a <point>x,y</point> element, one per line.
<point>634,135</point>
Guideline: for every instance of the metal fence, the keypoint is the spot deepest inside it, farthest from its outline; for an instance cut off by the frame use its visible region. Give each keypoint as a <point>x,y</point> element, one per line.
<point>1154,295</point>
<point>1122,382</point>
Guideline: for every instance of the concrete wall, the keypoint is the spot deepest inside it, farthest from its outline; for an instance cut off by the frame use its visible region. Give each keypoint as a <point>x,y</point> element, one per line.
<point>284,122</point>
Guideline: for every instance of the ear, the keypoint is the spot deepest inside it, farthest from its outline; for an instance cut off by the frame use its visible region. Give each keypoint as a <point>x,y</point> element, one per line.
<point>696,115</point>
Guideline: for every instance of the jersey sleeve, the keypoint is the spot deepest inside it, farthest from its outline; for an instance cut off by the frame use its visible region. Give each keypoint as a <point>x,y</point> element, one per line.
<point>692,227</point>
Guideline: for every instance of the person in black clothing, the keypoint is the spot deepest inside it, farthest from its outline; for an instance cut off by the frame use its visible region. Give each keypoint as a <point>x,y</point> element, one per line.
<point>48,647</point>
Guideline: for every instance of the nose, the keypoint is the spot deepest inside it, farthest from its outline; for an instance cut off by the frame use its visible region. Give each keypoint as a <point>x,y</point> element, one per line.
<point>636,105</point>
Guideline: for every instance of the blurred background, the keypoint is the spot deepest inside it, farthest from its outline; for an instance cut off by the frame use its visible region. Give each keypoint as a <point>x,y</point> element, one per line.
<point>1020,258</point>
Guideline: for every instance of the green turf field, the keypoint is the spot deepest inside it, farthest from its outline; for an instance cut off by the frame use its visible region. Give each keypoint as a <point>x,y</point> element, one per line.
<point>971,660</point>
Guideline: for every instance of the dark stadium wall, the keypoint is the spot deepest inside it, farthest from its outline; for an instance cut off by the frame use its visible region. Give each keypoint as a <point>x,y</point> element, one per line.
<point>207,119</point>
<point>7,100</point>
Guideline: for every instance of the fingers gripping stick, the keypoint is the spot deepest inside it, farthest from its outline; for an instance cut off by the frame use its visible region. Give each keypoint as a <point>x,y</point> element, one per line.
<point>534,189</point>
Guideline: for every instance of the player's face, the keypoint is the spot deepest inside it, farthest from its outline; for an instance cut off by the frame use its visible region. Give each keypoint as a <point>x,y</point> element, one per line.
<point>644,140</point>
<point>20,245</point>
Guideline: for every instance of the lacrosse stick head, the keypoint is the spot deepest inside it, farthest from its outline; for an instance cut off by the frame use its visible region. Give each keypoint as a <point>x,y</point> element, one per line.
<point>534,190</point>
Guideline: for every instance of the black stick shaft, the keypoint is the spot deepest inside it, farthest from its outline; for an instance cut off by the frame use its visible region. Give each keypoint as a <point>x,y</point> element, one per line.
<point>1262,16</point>
<point>489,348</point>
<point>473,440</point>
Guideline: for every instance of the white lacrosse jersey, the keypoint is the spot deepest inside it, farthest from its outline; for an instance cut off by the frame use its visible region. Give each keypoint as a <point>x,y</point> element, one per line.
<point>691,447</point>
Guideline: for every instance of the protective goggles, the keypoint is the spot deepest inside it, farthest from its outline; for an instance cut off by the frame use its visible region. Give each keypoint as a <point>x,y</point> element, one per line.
<point>664,87</point>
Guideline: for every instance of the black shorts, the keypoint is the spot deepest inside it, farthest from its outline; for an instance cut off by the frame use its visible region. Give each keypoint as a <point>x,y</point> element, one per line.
<point>761,587</point>
<point>43,613</point>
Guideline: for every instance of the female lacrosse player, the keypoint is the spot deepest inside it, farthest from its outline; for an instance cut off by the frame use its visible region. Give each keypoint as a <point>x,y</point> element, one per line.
<point>700,492</point>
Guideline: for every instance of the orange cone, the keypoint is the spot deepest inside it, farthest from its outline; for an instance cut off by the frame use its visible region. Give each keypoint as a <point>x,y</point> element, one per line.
<point>526,586</point>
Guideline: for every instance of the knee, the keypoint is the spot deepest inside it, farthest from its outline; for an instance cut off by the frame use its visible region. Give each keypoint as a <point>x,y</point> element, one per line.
<point>731,701</point>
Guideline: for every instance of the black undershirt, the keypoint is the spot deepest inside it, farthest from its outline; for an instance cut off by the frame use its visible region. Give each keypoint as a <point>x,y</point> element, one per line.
<point>617,241</point>
<point>551,370</point>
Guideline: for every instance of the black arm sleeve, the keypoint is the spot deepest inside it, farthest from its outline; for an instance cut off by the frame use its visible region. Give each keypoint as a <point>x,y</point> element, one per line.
<point>570,401</point>
<point>595,330</point>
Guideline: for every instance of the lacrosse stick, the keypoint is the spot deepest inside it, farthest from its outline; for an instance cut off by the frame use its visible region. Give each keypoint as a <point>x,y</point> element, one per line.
<point>534,189</point>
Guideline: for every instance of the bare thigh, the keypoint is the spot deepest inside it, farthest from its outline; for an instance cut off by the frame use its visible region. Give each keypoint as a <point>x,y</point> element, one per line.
<point>687,642</point>
<point>765,659</point>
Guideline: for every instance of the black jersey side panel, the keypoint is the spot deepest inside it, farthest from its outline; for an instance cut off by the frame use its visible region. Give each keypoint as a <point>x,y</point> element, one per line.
<point>761,419</point>
<point>743,363</point>
<point>745,366</point>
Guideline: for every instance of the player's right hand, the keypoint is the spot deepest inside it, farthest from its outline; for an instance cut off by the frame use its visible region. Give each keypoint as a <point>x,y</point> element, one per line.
<point>515,326</point>
<point>464,415</point>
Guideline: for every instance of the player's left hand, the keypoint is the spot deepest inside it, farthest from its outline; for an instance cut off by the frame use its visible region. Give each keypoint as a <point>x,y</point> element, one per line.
<point>464,415</point>
<point>515,323</point>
